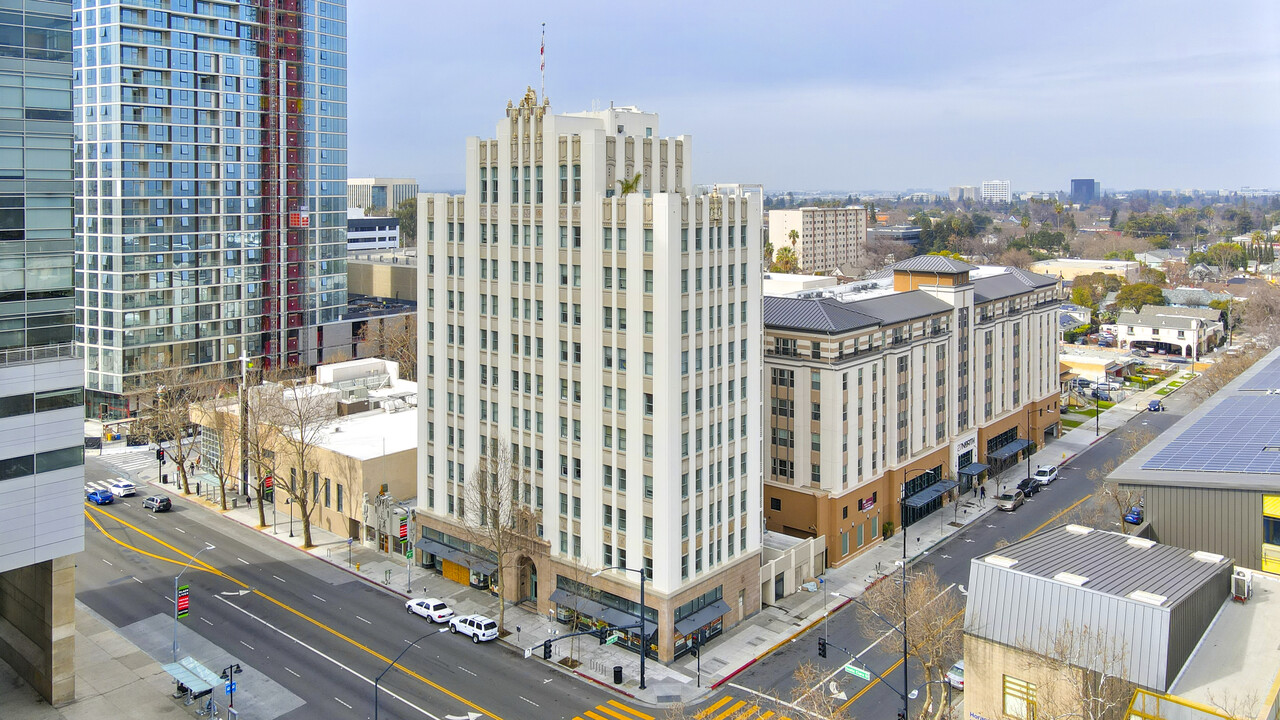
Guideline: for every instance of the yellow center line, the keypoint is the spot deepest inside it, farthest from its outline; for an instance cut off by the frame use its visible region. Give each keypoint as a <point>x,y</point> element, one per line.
<point>282,606</point>
<point>1064,511</point>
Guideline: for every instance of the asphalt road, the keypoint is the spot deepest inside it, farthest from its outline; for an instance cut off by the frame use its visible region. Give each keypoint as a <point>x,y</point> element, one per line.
<point>310,636</point>
<point>773,678</point>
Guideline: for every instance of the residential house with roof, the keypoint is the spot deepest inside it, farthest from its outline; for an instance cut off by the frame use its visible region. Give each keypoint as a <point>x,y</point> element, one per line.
<point>1162,258</point>
<point>890,394</point>
<point>1189,332</point>
<point>1070,621</point>
<point>1212,481</point>
<point>1194,297</point>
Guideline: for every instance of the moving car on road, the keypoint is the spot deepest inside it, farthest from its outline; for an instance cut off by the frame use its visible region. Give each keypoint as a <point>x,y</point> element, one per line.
<point>1010,501</point>
<point>432,609</point>
<point>1045,474</point>
<point>480,628</point>
<point>157,503</point>
<point>100,497</point>
<point>121,487</point>
<point>1155,406</point>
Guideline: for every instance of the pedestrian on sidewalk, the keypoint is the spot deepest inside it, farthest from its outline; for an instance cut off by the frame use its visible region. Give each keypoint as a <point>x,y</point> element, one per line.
<point>983,494</point>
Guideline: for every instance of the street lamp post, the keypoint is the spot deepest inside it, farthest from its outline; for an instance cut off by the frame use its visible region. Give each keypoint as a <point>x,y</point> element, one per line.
<point>289,502</point>
<point>914,693</point>
<point>175,598</point>
<point>378,680</point>
<point>644,638</point>
<point>901,631</point>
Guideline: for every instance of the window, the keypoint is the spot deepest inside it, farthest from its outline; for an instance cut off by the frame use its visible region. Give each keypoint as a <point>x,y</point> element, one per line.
<point>1019,698</point>
<point>775,503</point>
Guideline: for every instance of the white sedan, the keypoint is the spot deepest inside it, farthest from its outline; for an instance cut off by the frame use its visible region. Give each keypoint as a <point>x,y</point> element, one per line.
<point>121,487</point>
<point>432,609</point>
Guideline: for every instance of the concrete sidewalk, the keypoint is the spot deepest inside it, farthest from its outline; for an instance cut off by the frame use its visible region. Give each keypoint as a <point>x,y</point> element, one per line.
<point>725,656</point>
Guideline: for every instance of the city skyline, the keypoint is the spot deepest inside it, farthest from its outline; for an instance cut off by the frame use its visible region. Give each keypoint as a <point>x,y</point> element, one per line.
<point>955,98</point>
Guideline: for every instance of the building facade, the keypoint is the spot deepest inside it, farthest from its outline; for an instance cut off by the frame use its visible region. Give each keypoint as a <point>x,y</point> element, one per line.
<point>996,191</point>
<point>385,193</point>
<point>887,396</point>
<point>1189,332</point>
<point>371,233</point>
<point>210,173</point>
<point>1085,191</point>
<point>826,238</point>
<point>41,373</point>
<point>612,342</point>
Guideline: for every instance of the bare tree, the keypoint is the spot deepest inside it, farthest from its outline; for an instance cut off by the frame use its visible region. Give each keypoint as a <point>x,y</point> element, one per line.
<point>809,700</point>
<point>297,416</point>
<point>495,515</point>
<point>933,637</point>
<point>1242,704</point>
<point>1015,258</point>
<point>225,427</point>
<point>1088,675</point>
<point>166,414</point>
<point>1221,373</point>
<point>394,338</point>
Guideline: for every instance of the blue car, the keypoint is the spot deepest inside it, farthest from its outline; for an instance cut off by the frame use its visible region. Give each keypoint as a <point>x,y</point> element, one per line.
<point>1155,406</point>
<point>100,497</point>
<point>1134,516</point>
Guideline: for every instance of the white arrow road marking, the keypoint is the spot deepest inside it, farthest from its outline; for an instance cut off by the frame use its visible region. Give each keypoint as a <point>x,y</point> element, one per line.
<point>840,696</point>
<point>468,716</point>
<point>236,593</point>
<point>967,540</point>
<point>320,653</point>
<point>963,591</point>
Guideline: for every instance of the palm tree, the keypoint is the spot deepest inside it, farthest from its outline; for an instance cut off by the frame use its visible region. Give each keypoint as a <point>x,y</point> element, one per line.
<point>768,252</point>
<point>629,186</point>
<point>785,261</point>
<point>793,236</point>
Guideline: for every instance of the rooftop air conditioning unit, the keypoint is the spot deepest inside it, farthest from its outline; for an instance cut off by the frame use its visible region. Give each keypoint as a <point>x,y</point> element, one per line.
<point>1241,585</point>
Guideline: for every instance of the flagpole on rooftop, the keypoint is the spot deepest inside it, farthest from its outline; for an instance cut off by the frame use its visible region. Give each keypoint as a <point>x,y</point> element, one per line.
<point>542,58</point>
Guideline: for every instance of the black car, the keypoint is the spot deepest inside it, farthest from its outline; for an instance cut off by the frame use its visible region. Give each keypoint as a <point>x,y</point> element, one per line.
<point>157,503</point>
<point>1029,486</point>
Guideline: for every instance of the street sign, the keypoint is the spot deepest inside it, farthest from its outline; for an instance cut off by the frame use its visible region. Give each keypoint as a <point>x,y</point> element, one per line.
<point>409,553</point>
<point>857,672</point>
<point>612,639</point>
<point>184,600</point>
<point>404,527</point>
<point>231,687</point>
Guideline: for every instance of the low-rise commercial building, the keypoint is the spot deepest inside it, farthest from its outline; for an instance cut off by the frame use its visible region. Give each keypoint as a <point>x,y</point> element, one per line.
<point>888,394</point>
<point>1212,481</point>
<point>385,193</point>
<point>371,233</point>
<point>1070,621</point>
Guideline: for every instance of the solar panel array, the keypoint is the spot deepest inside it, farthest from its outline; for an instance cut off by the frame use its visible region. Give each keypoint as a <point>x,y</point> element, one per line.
<point>1268,378</point>
<point>1240,435</point>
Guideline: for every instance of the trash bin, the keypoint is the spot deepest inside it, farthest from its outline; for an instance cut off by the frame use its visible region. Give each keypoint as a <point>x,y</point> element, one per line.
<point>164,479</point>
<point>617,674</point>
<point>234,503</point>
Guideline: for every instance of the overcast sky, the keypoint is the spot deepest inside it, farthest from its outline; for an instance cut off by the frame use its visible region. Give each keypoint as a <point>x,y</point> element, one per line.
<point>851,95</point>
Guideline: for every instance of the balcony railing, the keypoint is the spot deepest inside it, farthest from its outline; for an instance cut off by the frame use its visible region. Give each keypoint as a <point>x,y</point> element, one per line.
<point>44,353</point>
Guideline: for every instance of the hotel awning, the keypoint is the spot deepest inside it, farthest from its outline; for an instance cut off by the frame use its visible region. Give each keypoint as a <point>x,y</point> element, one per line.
<point>973,469</point>
<point>454,555</point>
<point>1009,450</point>
<point>929,494</point>
<point>700,618</point>
<point>599,611</point>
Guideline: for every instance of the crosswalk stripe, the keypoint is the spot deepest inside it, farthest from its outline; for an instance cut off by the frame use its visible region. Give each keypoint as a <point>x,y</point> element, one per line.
<point>768,714</point>
<point>593,716</point>
<point>624,708</point>
<point>614,713</point>
<point>731,711</point>
<point>713,708</point>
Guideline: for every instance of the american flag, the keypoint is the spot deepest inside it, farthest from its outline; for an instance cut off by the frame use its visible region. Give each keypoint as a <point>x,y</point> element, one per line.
<point>542,50</point>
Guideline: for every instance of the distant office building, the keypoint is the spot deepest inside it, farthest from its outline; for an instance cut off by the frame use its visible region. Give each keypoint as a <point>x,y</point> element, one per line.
<point>995,191</point>
<point>385,193</point>
<point>826,238</point>
<point>611,343</point>
<point>1085,191</point>
<point>210,172</point>
<point>41,373</point>
<point>963,193</point>
<point>909,234</point>
<point>371,233</point>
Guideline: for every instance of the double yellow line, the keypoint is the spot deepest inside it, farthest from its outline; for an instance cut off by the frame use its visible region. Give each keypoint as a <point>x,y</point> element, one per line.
<point>202,565</point>
<point>898,664</point>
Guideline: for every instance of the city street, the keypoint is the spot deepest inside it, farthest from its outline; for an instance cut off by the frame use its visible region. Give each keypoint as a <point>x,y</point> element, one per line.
<point>771,681</point>
<point>309,638</point>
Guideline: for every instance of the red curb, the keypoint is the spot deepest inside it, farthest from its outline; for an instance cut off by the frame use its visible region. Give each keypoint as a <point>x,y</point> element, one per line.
<point>789,638</point>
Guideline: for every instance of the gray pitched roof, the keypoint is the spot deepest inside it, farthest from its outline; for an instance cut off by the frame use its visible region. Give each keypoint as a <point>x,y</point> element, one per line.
<point>1157,321</point>
<point>1193,296</point>
<point>823,315</point>
<point>1209,314</point>
<point>933,264</point>
<point>899,307</point>
<point>1010,283</point>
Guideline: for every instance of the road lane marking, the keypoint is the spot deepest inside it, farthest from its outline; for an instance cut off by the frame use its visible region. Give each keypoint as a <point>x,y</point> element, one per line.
<point>467,671</point>
<point>175,527</point>
<point>363,620</point>
<point>293,673</point>
<point>246,562</point>
<point>892,667</point>
<point>1066,510</point>
<point>340,700</point>
<point>532,702</point>
<point>318,597</point>
<point>195,562</point>
<point>135,579</point>
<point>206,622</point>
<point>106,561</point>
<point>333,660</point>
<point>246,644</point>
<point>278,578</point>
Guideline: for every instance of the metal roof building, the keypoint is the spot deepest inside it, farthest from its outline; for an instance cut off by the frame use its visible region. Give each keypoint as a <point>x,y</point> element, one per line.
<point>1155,601</point>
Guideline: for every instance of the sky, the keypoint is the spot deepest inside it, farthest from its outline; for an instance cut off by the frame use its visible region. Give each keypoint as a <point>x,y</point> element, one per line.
<point>853,95</point>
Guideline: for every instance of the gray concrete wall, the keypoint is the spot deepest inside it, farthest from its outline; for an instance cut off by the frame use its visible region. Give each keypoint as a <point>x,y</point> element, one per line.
<point>37,626</point>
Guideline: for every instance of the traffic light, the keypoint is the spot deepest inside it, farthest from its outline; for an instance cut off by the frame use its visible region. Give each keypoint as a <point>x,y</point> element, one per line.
<point>822,647</point>
<point>160,454</point>
<point>546,650</point>
<point>603,635</point>
<point>693,647</point>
